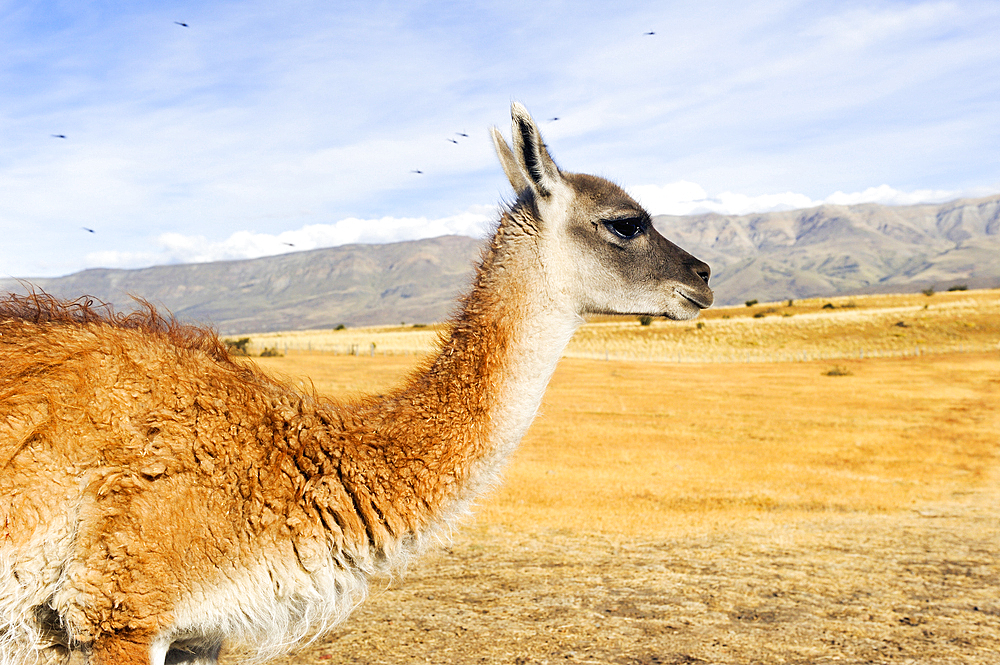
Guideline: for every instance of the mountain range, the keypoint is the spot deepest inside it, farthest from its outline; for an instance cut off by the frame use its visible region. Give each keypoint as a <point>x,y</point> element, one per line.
<point>823,251</point>
<point>834,250</point>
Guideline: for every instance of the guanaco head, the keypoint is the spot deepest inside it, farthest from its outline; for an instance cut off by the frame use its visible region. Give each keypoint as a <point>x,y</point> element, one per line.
<point>599,245</point>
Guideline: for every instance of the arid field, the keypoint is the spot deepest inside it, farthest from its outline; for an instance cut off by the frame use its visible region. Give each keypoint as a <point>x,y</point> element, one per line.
<point>851,326</point>
<point>706,495</point>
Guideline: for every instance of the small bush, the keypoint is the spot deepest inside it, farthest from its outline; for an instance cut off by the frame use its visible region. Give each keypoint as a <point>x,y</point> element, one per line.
<point>340,326</point>
<point>929,291</point>
<point>760,315</point>
<point>645,320</point>
<point>271,353</point>
<point>237,347</point>
<point>700,325</point>
<point>789,303</point>
<point>837,370</point>
<point>751,303</point>
<point>959,287</point>
<point>828,305</point>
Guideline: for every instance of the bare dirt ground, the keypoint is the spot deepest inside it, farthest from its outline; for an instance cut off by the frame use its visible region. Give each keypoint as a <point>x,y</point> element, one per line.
<point>915,587</point>
<point>742,514</point>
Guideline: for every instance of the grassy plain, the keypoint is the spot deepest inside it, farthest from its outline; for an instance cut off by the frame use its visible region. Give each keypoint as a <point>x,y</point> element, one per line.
<point>750,512</point>
<point>849,326</point>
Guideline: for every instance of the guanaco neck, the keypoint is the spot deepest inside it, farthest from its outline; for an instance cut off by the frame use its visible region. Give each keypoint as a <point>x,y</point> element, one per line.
<point>424,452</point>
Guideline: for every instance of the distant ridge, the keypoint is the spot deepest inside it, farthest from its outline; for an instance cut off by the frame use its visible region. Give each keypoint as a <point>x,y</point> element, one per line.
<point>823,251</point>
<point>354,285</point>
<point>836,250</point>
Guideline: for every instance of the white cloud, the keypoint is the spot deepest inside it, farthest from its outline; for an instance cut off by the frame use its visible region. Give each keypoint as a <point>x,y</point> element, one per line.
<point>886,195</point>
<point>180,248</point>
<point>677,198</point>
<point>688,198</point>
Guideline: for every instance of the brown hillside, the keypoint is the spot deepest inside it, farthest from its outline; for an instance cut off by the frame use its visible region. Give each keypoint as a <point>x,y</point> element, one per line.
<point>831,250</point>
<point>825,251</point>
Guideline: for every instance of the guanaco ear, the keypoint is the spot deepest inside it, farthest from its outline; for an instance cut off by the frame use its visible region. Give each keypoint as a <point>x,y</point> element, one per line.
<point>509,163</point>
<point>529,151</point>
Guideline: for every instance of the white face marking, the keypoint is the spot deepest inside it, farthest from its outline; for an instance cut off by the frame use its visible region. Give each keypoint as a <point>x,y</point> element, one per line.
<point>608,273</point>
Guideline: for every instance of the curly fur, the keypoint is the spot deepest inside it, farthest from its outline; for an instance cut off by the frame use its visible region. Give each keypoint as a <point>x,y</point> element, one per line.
<point>281,503</point>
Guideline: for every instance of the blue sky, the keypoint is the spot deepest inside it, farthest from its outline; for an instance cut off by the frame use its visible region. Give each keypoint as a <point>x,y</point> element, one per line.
<point>266,127</point>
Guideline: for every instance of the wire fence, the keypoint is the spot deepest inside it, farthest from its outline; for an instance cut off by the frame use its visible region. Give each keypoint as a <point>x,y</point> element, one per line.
<point>679,356</point>
<point>733,356</point>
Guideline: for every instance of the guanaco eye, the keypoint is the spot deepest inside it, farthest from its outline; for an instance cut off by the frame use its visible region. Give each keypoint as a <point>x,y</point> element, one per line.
<point>625,228</point>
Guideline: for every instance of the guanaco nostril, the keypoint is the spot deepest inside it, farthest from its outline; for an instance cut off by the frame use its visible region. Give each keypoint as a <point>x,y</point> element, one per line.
<point>704,274</point>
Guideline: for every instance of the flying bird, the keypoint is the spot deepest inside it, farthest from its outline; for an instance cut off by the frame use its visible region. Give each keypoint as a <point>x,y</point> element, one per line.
<point>461,134</point>
<point>553,119</point>
<point>88,230</point>
<point>649,33</point>
<point>416,171</point>
<point>58,136</point>
<point>453,141</point>
<point>183,25</point>
<point>289,244</point>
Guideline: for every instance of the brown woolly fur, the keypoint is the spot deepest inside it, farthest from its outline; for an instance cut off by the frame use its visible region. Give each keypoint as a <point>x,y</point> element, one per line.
<point>42,309</point>
<point>158,498</point>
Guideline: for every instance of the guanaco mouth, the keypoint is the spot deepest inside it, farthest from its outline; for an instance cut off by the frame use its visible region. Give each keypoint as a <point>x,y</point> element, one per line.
<point>697,300</point>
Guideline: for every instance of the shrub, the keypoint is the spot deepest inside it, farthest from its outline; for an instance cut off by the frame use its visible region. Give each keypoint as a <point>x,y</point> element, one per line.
<point>751,303</point>
<point>959,287</point>
<point>645,320</point>
<point>837,370</point>
<point>828,305</point>
<point>929,291</point>
<point>271,353</point>
<point>789,303</point>
<point>340,326</point>
<point>237,346</point>
<point>700,325</point>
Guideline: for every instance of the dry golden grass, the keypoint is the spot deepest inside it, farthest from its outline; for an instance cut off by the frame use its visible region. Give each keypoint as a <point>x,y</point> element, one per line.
<point>388,340</point>
<point>721,512</point>
<point>651,448</point>
<point>340,376</point>
<point>640,447</point>
<point>856,326</point>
